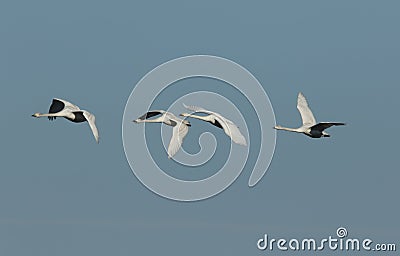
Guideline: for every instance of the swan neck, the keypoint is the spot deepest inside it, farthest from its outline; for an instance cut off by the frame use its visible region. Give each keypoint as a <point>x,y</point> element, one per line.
<point>286,129</point>
<point>148,121</point>
<point>42,115</point>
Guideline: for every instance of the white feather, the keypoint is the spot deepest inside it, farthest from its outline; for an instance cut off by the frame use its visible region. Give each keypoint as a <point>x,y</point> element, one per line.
<point>305,112</point>
<point>230,128</point>
<point>91,119</point>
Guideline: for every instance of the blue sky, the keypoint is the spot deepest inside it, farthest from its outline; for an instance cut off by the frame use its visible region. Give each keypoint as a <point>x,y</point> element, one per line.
<point>63,194</point>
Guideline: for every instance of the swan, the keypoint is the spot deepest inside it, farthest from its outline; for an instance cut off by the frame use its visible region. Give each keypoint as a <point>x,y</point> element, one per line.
<point>310,126</point>
<point>180,130</point>
<point>218,120</point>
<point>63,108</point>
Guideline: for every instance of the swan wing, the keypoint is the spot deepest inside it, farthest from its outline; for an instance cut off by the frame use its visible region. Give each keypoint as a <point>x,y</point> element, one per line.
<point>214,114</point>
<point>198,109</point>
<point>305,111</point>
<point>231,129</point>
<point>66,105</point>
<point>325,125</point>
<point>62,107</point>
<point>91,119</point>
<point>179,132</point>
<point>56,106</point>
<point>150,114</point>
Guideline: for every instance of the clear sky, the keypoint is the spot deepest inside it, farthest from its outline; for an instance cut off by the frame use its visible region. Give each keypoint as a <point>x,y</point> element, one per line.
<point>62,194</point>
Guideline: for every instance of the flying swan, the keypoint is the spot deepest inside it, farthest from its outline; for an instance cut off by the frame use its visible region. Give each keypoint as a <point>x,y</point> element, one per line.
<point>63,108</point>
<point>218,120</point>
<point>180,130</point>
<point>310,126</point>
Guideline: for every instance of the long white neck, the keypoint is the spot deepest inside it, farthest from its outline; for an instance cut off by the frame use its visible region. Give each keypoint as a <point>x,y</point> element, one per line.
<point>65,114</point>
<point>278,127</point>
<point>157,120</point>
<point>45,115</point>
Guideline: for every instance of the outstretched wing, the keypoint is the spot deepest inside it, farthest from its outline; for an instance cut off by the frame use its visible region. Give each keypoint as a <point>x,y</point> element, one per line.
<point>56,106</point>
<point>198,109</point>
<point>151,114</point>
<point>67,105</point>
<point>202,110</point>
<point>305,112</point>
<point>59,105</point>
<point>231,130</point>
<point>323,126</point>
<point>229,127</point>
<point>92,123</point>
<point>179,132</point>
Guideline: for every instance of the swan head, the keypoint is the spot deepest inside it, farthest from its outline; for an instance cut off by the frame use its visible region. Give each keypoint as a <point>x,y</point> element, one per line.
<point>184,114</point>
<point>36,115</point>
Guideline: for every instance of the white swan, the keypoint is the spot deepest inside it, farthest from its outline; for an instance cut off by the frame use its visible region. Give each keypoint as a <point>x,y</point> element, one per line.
<point>310,126</point>
<point>63,108</point>
<point>180,130</point>
<point>218,120</point>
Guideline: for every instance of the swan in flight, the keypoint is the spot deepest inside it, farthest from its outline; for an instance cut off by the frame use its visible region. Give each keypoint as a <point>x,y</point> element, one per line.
<point>218,120</point>
<point>310,126</point>
<point>63,108</point>
<point>180,130</point>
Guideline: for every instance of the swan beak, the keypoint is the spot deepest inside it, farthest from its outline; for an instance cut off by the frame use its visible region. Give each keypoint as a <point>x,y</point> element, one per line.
<point>135,121</point>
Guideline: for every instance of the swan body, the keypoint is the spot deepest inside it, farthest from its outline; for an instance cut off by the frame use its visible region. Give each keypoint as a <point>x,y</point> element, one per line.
<point>310,127</point>
<point>63,108</point>
<point>218,120</point>
<point>179,131</point>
